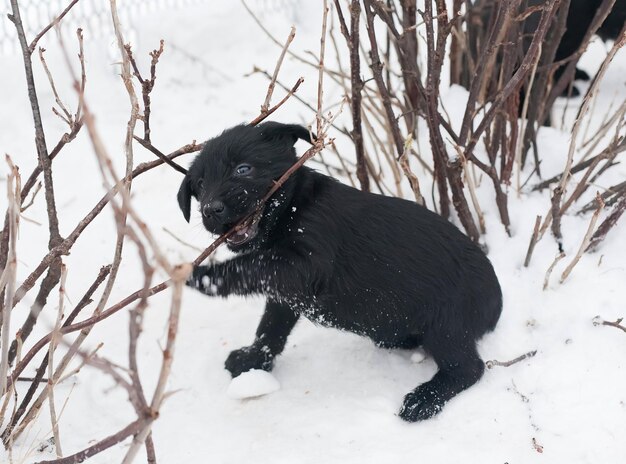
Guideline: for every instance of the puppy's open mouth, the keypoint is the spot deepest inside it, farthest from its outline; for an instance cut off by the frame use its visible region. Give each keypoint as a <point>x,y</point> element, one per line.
<point>246,231</point>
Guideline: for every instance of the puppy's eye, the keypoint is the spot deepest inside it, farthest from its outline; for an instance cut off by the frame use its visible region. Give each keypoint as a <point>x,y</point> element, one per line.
<point>243,169</point>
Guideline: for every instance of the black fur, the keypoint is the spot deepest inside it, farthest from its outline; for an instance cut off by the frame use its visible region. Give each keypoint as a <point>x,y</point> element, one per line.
<point>381,267</point>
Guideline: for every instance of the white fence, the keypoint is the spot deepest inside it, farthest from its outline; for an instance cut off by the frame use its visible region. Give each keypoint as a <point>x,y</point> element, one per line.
<point>95,15</point>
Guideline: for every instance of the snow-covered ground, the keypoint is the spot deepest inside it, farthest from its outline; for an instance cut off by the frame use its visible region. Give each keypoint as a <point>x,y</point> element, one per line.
<point>338,393</point>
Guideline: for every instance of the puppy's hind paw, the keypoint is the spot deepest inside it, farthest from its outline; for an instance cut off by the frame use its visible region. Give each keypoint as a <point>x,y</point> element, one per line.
<point>248,358</point>
<point>420,405</point>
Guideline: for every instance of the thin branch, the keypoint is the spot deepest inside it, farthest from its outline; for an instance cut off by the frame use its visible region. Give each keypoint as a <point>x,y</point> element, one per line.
<point>603,229</point>
<point>493,363</point>
<point>320,78</point>
<point>147,85</point>
<point>132,429</point>
<point>9,273</point>
<point>617,324</point>
<point>181,241</point>
<point>586,239</point>
<point>54,22</point>
<point>356,87</point>
<point>53,342</point>
<point>32,198</point>
<point>68,117</point>
<point>270,89</point>
<point>619,148</point>
<point>411,177</point>
<point>148,145</point>
<point>256,69</point>
<point>546,279</point>
<point>533,241</point>
<point>265,114</point>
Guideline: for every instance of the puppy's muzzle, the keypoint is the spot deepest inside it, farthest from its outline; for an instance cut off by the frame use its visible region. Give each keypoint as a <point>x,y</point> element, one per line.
<point>214,209</point>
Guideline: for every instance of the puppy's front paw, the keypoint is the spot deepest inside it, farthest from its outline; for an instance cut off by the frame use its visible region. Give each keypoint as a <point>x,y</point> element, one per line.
<point>203,279</point>
<point>420,404</point>
<point>195,278</point>
<point>248,358</point>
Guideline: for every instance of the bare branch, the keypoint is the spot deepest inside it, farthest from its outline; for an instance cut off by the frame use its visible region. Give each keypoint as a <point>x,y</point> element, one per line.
<point>265,114</point>
<point>270,89</point>
<point>40,139</point>
<point>546,279</point>
<point>533,241</point>
<point>320,79</point>
<point>586,239</point>
<point>54,22</point>
<point>9,273</point>
<point>604,228</point>
<point>493,363</point>
<point>412,178</point>
<point>68,117</point>
<point>53,342</point>
<point>148,145</point>
<point>132,429</point>
<point>356,87</point>
<point>617,324</point>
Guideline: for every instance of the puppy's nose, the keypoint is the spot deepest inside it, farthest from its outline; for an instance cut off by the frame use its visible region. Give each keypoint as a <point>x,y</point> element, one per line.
<point>214,208</point>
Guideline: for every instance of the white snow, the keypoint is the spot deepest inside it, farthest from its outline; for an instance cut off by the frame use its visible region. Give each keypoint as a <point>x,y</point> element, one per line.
<point>252,384</point>
<point>418,356</point>
<point>339,394</point>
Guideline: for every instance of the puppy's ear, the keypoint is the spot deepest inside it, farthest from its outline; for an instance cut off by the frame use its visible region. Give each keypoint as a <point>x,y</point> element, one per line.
<point>289,133</point>
<point>184,197</point>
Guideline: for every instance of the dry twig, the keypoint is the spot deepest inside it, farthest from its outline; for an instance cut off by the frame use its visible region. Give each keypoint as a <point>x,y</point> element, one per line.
<point>546,279</point>
<point>493,363</point>
<point>266,104</point>
<point>533,241</point>
<point>617,323</point>
<point>9,273</point>
<point>586,239</point>
<point>603,229</point>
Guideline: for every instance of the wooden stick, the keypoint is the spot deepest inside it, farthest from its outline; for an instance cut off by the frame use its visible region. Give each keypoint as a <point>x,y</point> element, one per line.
<point>617,324</point>
<point>533,241</point>
<point>493,363</point>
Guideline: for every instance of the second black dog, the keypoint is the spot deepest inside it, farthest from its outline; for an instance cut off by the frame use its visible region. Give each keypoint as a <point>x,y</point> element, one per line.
<point>381,267</point>
<point>579,18</point>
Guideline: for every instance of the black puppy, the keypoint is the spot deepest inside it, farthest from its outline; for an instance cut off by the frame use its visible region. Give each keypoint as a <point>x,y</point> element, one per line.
<point>381,267</point>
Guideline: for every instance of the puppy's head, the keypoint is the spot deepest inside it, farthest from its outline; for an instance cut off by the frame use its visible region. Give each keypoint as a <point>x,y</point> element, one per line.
<point>233,173</point>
